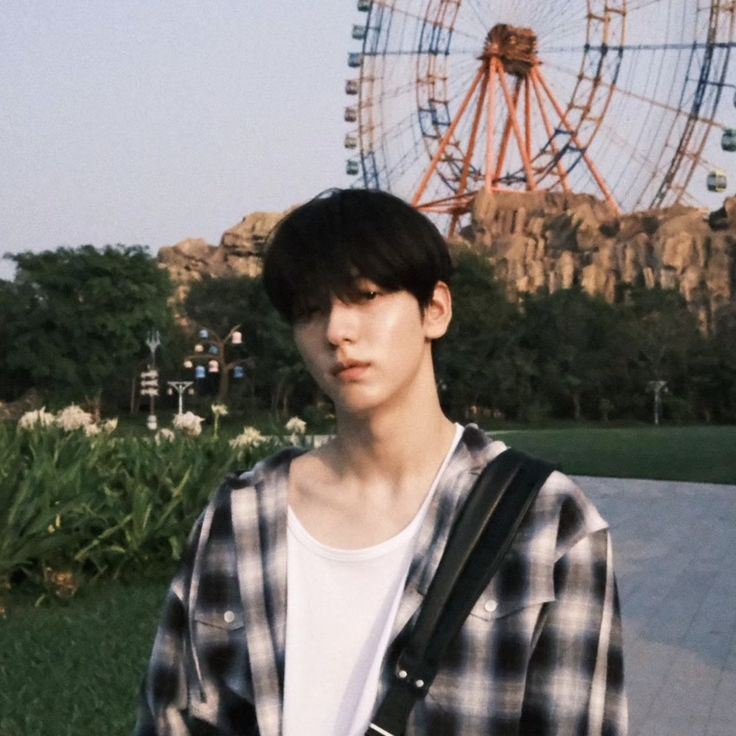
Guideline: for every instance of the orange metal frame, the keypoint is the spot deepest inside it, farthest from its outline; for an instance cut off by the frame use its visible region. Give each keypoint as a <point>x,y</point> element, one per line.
<point>520,110</point>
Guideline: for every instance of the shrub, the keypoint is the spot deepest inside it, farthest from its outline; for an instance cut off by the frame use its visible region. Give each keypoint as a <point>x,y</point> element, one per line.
<point>75,504</point>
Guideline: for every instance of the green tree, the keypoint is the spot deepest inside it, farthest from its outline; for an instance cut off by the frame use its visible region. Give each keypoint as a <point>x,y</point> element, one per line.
<point>664,341</point>
<point>75,319</point>
<point>715,369</point>
<point>577,351</point>
<point>469,359</point>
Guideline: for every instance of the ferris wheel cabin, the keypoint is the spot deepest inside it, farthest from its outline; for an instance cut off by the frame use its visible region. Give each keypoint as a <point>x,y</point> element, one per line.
<point>717,181</point>
<point>728,139</point>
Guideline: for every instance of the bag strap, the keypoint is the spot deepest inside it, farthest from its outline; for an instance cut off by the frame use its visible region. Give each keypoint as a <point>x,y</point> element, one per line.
<point>478,542</point>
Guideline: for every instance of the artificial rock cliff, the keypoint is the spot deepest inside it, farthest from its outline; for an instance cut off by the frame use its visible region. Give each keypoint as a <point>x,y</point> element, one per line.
<point>239,253</point>
<point>542,240</point>
<point>538,240</point>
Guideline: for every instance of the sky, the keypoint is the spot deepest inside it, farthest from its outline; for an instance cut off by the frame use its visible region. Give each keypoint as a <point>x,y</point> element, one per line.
<point>148,122</point>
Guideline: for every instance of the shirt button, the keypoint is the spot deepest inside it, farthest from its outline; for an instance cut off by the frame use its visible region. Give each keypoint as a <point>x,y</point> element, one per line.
<point>490,606</point>
<point>229,617</point>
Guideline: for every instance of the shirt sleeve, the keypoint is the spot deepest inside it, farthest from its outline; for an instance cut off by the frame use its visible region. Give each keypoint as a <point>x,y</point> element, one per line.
<point>575,681</point>
<point>162,706</point>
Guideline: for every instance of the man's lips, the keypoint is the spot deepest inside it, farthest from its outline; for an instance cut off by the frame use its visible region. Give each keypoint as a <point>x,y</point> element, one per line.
<point>349,369</point>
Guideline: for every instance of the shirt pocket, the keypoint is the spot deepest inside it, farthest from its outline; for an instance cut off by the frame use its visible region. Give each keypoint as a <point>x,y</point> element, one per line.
<point>221,650</point>
<point>483,674</point>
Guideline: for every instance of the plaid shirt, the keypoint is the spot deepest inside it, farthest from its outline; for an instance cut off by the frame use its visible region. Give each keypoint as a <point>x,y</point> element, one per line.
<point>539,655</point>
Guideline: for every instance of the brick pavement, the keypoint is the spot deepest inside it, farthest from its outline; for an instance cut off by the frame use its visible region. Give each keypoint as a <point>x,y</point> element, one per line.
<point>675,556</point>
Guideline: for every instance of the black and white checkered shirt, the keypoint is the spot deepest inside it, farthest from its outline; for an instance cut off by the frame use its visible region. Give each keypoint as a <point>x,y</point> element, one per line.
<point>540,654</point>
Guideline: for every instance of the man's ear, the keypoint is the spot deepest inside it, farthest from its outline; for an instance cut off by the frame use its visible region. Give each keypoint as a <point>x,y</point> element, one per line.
<point>438,313</point>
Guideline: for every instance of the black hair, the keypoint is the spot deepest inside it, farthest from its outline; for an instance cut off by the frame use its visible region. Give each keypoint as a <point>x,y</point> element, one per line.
<point>320,249</point>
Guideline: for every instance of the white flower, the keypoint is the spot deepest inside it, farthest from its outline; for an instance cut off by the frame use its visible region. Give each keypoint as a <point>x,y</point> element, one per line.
<point>188,423</point>
<point>219,410</point>
<point>40,418</point>
<point>92,429</point>
<point>110,425</point>
<point>73,417</point>
<point>249,437</point>
<point>164,435</point>
<point>296,426</point>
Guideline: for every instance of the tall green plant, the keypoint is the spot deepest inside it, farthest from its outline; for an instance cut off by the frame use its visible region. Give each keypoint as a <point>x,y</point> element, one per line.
<point>45,477</point>
<point>73,505</point>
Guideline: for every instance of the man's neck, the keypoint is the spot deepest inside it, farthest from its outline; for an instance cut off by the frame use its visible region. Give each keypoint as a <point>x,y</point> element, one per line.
<point>391,448</point>
<point>368,484</point>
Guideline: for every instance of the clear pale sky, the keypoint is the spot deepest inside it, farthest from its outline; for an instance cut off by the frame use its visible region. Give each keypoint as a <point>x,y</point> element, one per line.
<point>147,122</point>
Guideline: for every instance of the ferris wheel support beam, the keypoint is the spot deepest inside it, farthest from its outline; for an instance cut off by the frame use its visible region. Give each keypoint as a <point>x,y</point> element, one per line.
<point>490,127</point>
<point>589,163</point>
<point>446,139</point>
<point>561,170</point>
<point>531,182</point>
<point>528,117</point>
<point>503,150</point>
<point>471,149</point>
<point>473,136</point>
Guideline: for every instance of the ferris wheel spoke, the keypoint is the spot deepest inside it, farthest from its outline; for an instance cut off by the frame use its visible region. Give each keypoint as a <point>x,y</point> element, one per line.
<point>633,7</point>
<point>410,154</point>
<point>577,49</point>
<point>421,18</point>
<point>481,21</point>
<point>393,52</point>
<point>653,102</point>
<point>639,155</point>
<point>403,90</point>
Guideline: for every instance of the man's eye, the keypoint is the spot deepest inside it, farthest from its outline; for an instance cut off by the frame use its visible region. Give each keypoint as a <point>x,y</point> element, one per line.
<point>368,295</point>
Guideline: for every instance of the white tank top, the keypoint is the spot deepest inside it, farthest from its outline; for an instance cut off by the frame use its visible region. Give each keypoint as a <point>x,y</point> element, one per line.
<point>341,605</point>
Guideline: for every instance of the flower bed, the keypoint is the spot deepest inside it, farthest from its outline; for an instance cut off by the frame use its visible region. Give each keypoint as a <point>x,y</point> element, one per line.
<point>78,502</point>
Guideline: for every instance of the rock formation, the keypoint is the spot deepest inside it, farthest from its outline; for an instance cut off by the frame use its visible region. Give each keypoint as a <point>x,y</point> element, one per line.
<point>239,253</point>
<point>543,240</point>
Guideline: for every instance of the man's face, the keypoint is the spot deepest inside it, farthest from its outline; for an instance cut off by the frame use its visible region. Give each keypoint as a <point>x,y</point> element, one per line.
<point>370,352</point>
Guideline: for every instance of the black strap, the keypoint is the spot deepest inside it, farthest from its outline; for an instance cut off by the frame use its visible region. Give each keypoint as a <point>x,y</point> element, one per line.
<point>478,542</point>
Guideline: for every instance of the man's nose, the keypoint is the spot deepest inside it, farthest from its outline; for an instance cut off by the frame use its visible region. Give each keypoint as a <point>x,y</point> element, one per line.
<point>341,322</point>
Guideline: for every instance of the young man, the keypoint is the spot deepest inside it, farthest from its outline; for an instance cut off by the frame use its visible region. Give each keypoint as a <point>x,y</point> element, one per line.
<point>301,572</point>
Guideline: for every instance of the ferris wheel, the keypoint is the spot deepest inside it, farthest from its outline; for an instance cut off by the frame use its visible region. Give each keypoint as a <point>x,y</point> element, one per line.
<point>630,100</point>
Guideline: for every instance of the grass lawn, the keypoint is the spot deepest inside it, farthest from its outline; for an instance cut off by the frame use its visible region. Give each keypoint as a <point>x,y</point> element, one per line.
<point>74,669</point>
<point>702,454</point>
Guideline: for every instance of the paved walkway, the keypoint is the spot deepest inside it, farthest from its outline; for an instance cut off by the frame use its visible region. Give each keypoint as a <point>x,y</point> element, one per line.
<point>675,555</point>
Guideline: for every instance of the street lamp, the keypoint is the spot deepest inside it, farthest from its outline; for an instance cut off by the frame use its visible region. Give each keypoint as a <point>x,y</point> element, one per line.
<point>149,378</point>
<point>153,340</point>
<point>180,387</point>
<point>658,388</point>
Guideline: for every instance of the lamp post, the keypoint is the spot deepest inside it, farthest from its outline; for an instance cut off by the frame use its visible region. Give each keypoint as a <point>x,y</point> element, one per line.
<point>657,388</point>
<point>209,356</point>
<point>149,378</point>
<point>180,387</point>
